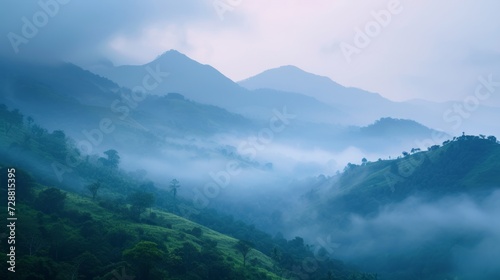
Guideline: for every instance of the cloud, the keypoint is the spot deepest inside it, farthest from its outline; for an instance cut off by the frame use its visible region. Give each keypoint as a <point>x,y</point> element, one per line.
<point>430,50</point>
<point>455,234</point>
<point>81,29</point>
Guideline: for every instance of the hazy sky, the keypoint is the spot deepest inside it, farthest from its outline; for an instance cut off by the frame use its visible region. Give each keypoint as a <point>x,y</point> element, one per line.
<point>428,49</point>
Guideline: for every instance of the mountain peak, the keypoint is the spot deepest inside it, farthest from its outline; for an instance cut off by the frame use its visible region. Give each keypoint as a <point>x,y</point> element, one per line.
<point>289,68</point>
<point>291,78</point>
<point>289,72</point>
<point>171,55</point>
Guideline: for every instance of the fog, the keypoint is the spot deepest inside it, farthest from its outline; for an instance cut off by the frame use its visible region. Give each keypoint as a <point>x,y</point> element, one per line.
<point>246,166</point>
<point>455,233</point>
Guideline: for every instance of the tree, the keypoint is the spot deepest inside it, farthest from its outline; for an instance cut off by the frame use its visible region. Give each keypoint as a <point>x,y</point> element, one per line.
<point>12,118</point>
<point>30,120</point>
<point>140,201</point>
<point>56,144</point>
<point>93,188</point>
<point>174,185</point>
<point>364,161</point>
<point>350,166</point>
<point>144,255</point>
<point>51,201</point>
<point>38,131</point>
<point>112,160</point>
<point>243,247</point>
<point>492,138</point>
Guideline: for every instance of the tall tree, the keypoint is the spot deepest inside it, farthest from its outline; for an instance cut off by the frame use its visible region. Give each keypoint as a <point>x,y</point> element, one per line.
<point>174,185</point>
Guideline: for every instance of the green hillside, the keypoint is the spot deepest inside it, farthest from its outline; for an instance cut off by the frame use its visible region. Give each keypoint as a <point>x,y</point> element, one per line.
<point>418,216</point>
<point>82,217</point>
<point>468,164</point>
<point>86,241</point>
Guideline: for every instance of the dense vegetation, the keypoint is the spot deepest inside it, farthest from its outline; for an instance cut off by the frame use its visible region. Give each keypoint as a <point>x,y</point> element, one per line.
<point>82,217</point>
<point>445,190</point>
<point>465,164</point>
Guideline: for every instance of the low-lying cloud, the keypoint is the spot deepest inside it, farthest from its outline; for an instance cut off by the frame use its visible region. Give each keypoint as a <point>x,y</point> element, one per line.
<point>456,236</point>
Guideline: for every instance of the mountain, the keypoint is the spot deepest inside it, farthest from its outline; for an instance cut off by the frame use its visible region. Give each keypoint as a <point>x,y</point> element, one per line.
<point>425,213</point>
<point>175,72</point>
<point>398,132</point>
<point>311,97</point>
<point>178,133</point>
<point>292,79</point>
<point>204,84</point>
<point>64,96</point>
<point>467,164</point>
<point>362,107</point>
<point>99,221</point>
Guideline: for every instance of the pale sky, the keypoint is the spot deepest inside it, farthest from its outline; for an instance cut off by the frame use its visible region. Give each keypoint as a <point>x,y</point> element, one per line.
<point>432,50</point>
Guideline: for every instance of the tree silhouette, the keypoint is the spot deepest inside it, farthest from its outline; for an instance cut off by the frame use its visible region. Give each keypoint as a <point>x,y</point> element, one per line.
<point>140,201</point>
<point>174,185</point>
<point>112,160</point>
<point>93,188</point>
<point>243,247</point>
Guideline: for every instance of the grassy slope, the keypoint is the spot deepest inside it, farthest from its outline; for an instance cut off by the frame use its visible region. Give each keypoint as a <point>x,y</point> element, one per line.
<point>459,166</point>
<point>169,225</point>
<point>174,227</point>
<point>172,230</point>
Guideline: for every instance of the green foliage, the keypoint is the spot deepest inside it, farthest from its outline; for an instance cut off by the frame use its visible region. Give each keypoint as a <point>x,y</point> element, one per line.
<point>145,255</point>
<point>243,247</point>
<point>73,237</point>
<point>11,118</point>
<point>140,201</point>
<point>50,201</point>
<point>197,231</point>
<point>94,188</point>
<point>467,164</point>
<point>112,159</point>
